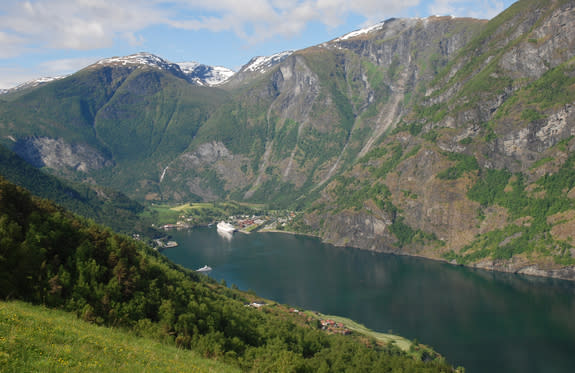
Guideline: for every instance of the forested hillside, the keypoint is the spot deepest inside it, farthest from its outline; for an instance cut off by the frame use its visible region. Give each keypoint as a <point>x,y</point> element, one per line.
<point>48,256</point>
<point>103,205</point>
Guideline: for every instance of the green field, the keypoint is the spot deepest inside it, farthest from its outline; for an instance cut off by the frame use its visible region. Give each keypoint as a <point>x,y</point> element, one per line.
<point>400,342</point>
<point>200,212</point>
<point>37,339</point>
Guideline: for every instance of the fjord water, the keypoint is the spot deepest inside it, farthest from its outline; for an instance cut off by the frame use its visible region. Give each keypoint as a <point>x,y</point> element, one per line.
<point>484,321</point>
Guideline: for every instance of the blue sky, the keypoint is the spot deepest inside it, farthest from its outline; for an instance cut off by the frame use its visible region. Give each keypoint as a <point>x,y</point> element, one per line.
<point>40,38</point>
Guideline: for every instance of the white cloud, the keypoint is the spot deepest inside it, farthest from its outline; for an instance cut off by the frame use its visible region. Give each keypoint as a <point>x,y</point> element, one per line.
<point>11,45</point>
<point>92,24</point>
<point>75,24</point>
<point>12,76</point>
<point>485,9</point>
<point>36,27</point>
<point>65,65</point>
<point>264,19</point>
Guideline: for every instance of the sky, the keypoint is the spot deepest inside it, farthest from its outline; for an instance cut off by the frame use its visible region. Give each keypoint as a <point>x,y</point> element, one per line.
<point>49,38</point>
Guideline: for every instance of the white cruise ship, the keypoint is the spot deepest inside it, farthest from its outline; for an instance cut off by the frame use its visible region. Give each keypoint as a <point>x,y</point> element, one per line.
<point>226,227</point>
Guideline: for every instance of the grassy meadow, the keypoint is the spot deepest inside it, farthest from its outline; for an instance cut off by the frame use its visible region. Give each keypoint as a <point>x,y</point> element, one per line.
<point>38,339</point>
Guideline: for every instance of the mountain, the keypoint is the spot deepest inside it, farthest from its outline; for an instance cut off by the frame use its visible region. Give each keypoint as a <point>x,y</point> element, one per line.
<point>262,64</point>
<point>103,205</point>
<point>194,72</point>
<point>115,121</point>
<point>288,130</point>
<point>479,171</point>
<point>11,93</point>
<point>442,137</point>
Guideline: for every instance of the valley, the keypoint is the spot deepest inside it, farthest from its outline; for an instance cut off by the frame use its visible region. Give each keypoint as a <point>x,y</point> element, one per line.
<point>443,137</point>
<point>52,258</point>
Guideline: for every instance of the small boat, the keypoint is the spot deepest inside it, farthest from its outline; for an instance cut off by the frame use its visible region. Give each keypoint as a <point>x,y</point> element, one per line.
<point>204,269</point>
<point>226,227</point>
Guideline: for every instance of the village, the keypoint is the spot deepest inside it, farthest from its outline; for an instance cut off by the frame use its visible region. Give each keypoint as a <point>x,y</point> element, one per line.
<point>243,223</point>
<point>326,324</point>
<point>194,217</point>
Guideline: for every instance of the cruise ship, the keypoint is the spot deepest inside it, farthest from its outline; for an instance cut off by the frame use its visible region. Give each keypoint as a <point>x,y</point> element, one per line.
<point>226,227</point>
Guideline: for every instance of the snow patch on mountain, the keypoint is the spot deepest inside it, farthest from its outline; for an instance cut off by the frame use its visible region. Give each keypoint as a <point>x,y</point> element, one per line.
<point>366,30</point>
<point>194,72</point>
<point>189,67</point>
<point>142,59</point>
<point>262,63</point>
<point>32,84</point>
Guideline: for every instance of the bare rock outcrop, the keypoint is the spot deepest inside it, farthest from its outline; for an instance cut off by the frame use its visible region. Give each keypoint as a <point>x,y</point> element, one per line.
<point>61,155</point>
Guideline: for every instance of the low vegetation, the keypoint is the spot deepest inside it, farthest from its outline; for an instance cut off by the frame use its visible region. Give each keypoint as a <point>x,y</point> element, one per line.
<point>39,339</point>
<point>531,216</point>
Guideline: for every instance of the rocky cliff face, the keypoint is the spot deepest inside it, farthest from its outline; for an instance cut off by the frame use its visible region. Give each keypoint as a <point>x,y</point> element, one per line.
<point>318,110</point>
<point>501,104</point>
<point>60,155</point>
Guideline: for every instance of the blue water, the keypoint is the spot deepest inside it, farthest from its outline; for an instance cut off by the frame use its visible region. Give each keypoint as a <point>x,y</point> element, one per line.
<point>484,321</point>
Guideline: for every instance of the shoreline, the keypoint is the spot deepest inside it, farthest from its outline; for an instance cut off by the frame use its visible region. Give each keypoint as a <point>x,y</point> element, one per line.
<point>528,269</point>
<point>531,270</point>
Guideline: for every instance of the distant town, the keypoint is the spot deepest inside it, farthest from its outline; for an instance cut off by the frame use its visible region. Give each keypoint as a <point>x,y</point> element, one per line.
<point>244,223</point>
<point>193,217</point>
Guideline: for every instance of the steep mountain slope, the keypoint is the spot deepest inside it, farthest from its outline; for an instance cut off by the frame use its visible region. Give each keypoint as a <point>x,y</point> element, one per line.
<point>100,204</point>
<point>479,171</point>
<point>289,129</point>
<point>117,121</point>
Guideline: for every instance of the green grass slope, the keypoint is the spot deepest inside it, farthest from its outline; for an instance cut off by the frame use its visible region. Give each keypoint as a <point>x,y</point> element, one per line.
<point>39,339</point>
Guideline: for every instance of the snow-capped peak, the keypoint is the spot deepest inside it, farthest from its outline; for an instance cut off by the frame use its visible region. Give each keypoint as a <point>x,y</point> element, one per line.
<point>362,31</point>
<point>205,75</point>
<point>194,72</point>
<point>263,63</point>
<point>142,58</point>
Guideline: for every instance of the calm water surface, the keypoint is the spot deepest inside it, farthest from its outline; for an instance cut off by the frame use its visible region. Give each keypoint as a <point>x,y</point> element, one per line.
<point>486,322</point>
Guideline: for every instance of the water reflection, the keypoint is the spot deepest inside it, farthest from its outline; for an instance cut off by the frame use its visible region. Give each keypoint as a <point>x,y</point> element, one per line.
<point>227,236</point>
<point>485,321</point>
